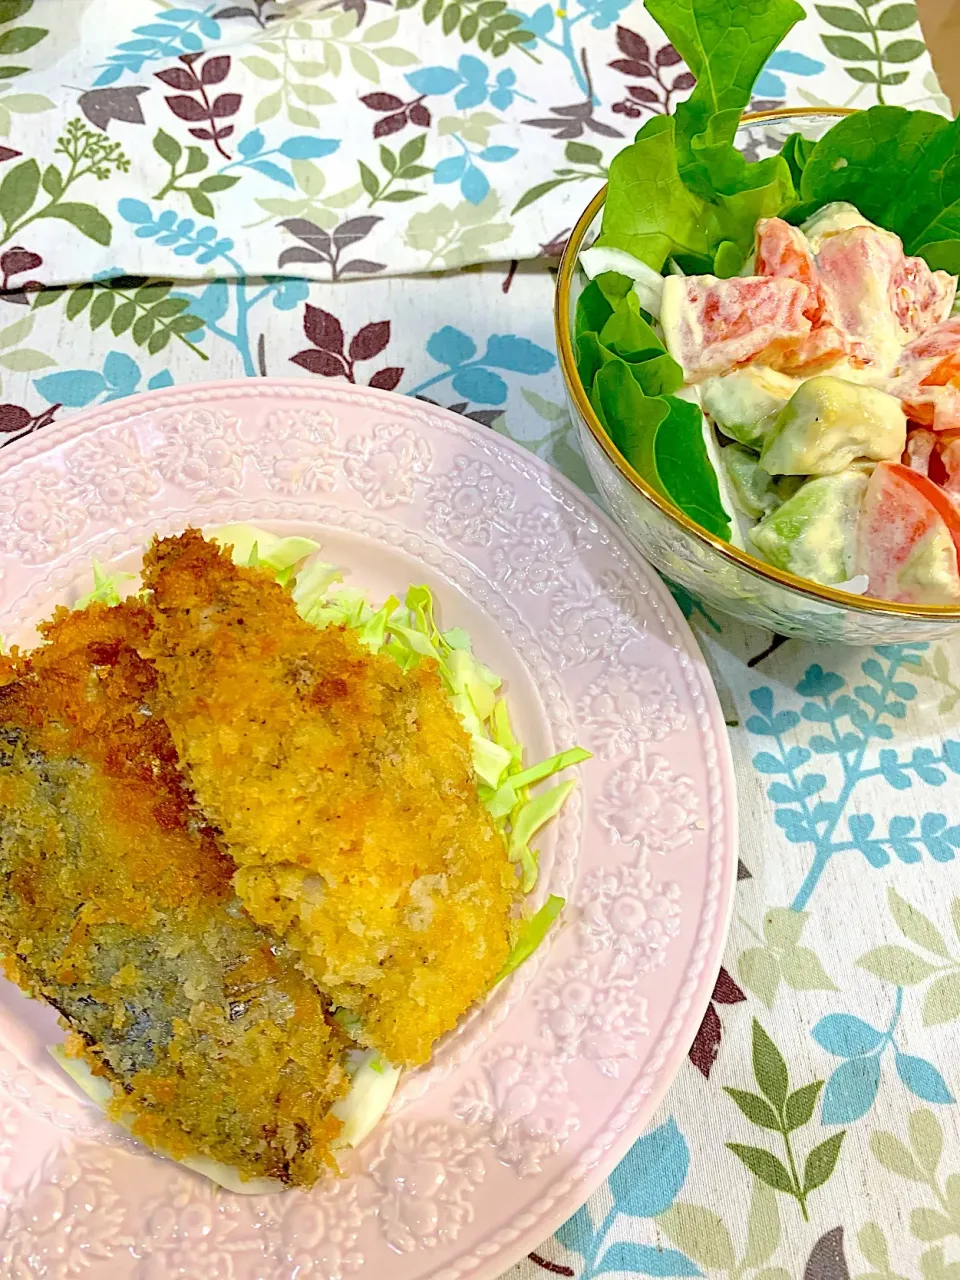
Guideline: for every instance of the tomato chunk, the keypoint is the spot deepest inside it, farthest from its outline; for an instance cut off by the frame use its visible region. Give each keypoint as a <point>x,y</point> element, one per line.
<point>927,377</point>
<point>921,298</point>
<point>857,269</point>
<point>907,538</point>
<point>711,326</point>
<point>942,340</point>
<point>783,251</point>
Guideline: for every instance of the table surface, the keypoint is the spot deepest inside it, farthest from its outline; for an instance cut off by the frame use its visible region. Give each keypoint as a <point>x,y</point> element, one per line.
<point>208,145</point>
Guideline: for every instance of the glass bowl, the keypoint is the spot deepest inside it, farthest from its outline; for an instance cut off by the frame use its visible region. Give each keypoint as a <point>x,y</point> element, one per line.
<point>725,578</point>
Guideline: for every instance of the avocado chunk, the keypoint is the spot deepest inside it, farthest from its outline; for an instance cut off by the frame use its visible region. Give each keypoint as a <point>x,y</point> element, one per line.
<point>753,488</point>
<point>830,221</point>
<point>813,534</point>
<point>828,423</point>
<point>745,404</point>
<point>929,575</point>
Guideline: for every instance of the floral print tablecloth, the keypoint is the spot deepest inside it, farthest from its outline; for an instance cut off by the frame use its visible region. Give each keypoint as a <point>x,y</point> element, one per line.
<point>234,189</point>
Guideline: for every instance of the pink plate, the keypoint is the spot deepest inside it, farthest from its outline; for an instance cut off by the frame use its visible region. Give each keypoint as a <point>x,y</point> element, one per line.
<point>529,1104</point>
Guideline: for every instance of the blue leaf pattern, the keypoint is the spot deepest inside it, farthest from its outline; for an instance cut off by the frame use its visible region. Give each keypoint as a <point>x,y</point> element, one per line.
<point>845,1036</point>
<point>181,31</point>
<point>649,1179</point>
<point>645,1260</point>
<point>849,721</point>
<point>473,84</point>
<point>644,1184</point>
<point>851,1090</point>
<point>120,376</point>
<point>922,1079</point>
<point>473,377</point>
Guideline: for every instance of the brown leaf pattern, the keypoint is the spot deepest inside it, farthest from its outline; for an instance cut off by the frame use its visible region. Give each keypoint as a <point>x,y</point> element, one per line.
<point>194,104</point>
<point>331,357</point>
<point>638,64</point>
<point>398,114</point>
<point>706,1045</point>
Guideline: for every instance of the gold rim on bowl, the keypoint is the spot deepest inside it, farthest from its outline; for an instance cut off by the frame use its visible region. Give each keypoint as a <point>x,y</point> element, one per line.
<point>743,559</point>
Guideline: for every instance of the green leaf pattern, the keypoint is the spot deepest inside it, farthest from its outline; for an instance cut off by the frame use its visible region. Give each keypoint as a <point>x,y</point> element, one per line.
<point>874,61</point>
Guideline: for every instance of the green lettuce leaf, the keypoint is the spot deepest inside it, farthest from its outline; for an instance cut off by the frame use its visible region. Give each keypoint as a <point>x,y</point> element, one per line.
<point>901,169</point>
<point>658,375</point>
<point>760,190</point>
<point>592,312</point>
<point>726,44</point>
<point>682,187</point>
<point>649,210</point>
<point>597,301</point>
<point>796,152</point>
<point>614,286</point>
<point>105,587</point>
<point>532,933</point>
<point>728,259</point>
<point>628,333</point>
<point>662,438</point>
<point>592,355</point>
<point>682,191</point>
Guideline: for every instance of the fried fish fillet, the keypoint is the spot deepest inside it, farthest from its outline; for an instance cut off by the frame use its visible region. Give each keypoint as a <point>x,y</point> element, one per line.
<point>344,791</point>
<point>116,907</point>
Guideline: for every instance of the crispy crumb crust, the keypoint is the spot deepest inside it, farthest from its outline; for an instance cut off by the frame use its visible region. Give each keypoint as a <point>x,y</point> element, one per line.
<point>116,906</point>
<point>344,791</point>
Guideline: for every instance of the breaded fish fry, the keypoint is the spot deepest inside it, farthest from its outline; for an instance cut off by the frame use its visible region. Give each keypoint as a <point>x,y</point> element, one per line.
<point>344,791</point>
<point>116,907</point>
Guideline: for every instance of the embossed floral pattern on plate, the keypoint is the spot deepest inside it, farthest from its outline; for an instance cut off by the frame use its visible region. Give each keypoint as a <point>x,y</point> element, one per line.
<point>594,651</point>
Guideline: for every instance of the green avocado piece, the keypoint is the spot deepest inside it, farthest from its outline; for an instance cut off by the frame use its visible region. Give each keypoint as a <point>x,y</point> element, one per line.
<point>930,571</point>
<point>753,488</point>
<point>745,404</point>
<point>813,534</point>
<point>828,423</point>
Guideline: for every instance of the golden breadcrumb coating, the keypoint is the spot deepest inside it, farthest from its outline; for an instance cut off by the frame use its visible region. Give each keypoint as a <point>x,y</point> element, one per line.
<point>344,791</point>
<point>116,906</point>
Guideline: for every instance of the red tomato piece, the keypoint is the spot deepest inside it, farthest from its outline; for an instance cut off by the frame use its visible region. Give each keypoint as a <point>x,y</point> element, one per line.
<point>821,347</point>
<point>935,495</point>
<point>942,340</point>
<point>906,522</point>
<point>857,269</point>
<point>921,298</point>
<point>927,377</point>
<point>712,325</point>
<point>783,251</point>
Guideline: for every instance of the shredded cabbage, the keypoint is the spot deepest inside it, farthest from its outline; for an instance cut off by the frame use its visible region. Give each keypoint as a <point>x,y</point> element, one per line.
<point>374,1082</point>
<point>532,933</point>
<point>106,587</point>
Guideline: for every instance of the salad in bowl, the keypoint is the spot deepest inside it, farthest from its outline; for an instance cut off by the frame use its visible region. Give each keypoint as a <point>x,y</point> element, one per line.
<point>771,346</point>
